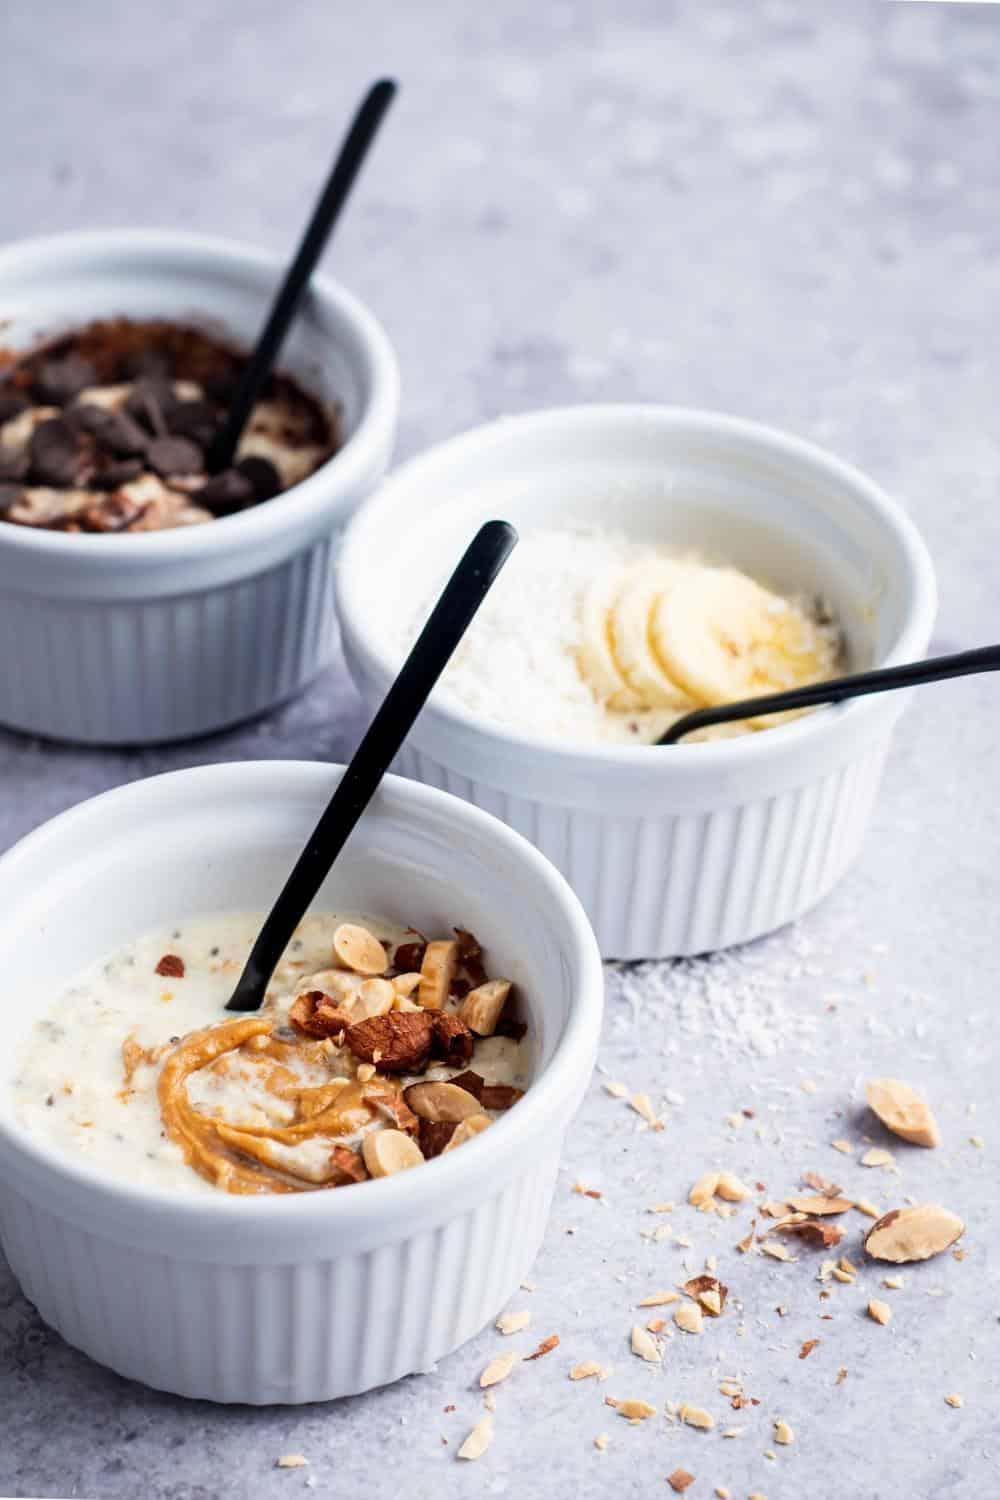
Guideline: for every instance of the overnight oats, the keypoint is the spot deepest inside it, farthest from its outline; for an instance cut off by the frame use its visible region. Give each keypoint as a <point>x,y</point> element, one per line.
<point>594,637</point>
<point>106,430</point>
<point>375,1050</point>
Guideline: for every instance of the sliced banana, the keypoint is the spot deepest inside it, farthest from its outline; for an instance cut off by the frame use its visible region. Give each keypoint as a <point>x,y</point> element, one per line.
<point>638,592</point>
<point>595,653</point>
<point>723,637</point>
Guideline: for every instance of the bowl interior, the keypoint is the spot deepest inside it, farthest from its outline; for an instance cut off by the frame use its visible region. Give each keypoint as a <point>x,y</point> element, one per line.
<point>223,838</point>
<point>227,293</point>
<point>731,491</point>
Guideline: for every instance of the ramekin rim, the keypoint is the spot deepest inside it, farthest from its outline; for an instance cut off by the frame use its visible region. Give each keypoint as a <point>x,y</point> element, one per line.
<point>450,1173</point>
<point>719,754</point>
<point>228,533</point>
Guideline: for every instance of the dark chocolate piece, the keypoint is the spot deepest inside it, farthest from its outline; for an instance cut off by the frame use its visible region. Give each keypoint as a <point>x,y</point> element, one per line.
<point>225,493</point>
<point>57,454</point>
<point>175,455</point>
<point>262,475</point>
<point>56,381</point>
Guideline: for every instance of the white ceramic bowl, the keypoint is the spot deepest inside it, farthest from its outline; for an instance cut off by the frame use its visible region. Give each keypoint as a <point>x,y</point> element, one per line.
<point>157,636</point>
<point>681,850</point>
<point>300,1298</point>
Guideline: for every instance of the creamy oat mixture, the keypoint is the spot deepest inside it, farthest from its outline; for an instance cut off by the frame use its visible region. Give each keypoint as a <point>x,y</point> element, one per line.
<point>592,636</point>
<point>139,1068</point>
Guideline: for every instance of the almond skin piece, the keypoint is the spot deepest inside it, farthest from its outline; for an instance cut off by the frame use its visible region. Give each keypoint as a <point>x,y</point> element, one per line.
<point>451,1039</point>
<point>434,1136</point>
<point>500,1095</point>
<point>436,973</point>
<point>482,1007</point>
<point>917,1233</point>
<point>316,1014</point>
<point>402,1040</point>
<point>901,1110</point>
<point>441,1102</point>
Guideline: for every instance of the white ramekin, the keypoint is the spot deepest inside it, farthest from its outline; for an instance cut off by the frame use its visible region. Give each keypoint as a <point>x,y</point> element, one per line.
<point>300,1298</point>
<point>158,636</point>
<point>681,850</point>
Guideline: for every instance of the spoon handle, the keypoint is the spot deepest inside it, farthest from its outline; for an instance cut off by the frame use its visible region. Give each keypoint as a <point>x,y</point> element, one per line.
<point>449,620</point>
<point>332,199</point>
<point>837,689</point>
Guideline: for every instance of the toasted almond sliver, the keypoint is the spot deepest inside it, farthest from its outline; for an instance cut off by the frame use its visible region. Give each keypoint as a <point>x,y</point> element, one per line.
<point>776,1250</point>
<point>894,1283</point>
<point>480,1010</point>
<point>782,1432</point>
<point>645,1346</point>
<point>843,1146</point>
<point>441,1101</point>
<point>617,1090</point>
<point>696,1416</point>
<point>632,1411</point>
<point>903,1111</point>
<point>955,1400</point>
<point>436,973</point>
<point>730,1188</point>
<point>643,1106</point>
<point>478,1440</point>
<point>498,1369</point>
<point>513,1322</point>
<point>916,1233</point>
<point>389,1151</point>
<point>359,950</point>
<point>864,1206</point>
<point>703,1190</point>
<point>466,1129</point>
<point>601,1441</point>
<point>589,1368</point>
<point>879,1312</point>
<point>689,1319</point>
<point>659,1299</point>
<point>816,1204</point>
<point>730,1388</point>
<point>291,1461</point>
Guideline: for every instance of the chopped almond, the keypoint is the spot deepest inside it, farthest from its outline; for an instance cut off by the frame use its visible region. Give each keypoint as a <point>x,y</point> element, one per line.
<point>498,1369</point>
<point>478,1440</point>
<point>879,1312</point>
<point>645,1346</point>
<point>903,1111</point>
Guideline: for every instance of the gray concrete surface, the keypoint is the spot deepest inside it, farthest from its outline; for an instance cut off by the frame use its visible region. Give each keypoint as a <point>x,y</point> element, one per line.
<point>782,210</point>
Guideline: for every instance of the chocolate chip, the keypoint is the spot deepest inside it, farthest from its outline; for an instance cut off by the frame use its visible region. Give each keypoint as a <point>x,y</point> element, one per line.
<point>114,475</point>
<point>225,493</point>
<point>145,362</point>
<point>57,381</point>
<point>9,495</point>
<point>56,453</point>
<point>175,455</point>
<point>12,404</point>
<point>262,475</point>
<point>149,401</point>
<point>193,419</point>
<point>13,461</point>
<point>116,431</point>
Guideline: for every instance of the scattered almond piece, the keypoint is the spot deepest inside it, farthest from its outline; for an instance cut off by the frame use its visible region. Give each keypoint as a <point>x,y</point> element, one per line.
<point>893,1282</point>
<point>513,1322</point>
<point>292,1461</point>
<point>843,1146</point>
<point>730,1388</point>
<point>660,1208</point>
<point>689,1319</point>
<point>632,1411</point>
<point>645,1346</point>
<point>863,1206</point>
<point>389,1151</point>
<point>709,1292</point>
<point>818,1204</point>
<point>841,1375</point>
<point>659,1299</point>
<point>588,1368</point>
<point>617,1090</point>
<point>782,1432</point>
<point>642,1105</point>
<point>876,1156</point>
<point>879,1312</point>
<point>545,1347</point>
<point>903,1111</point>
<point>478,1440</point>
<point>814,1231</point>
<point>776,1250</point>
<point>822,1185</point>
<point>720,1492</point>
<point>656,1325</point>
<point>498,1369</point>
<point>730,1188</point>
<point>917,1233</point>
<point>955,1400</point>
<point>696,1416</point>
<point>679,1480</point>
<point>807,1348</point>
<point>359,949</point>
<point>601,1441</point>
<point>703,1190</point>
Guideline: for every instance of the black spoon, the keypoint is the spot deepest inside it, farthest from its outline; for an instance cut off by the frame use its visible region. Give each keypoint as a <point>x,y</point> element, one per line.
<point>837,689</point>
<point>332,199</point>
<point>449,620</point>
